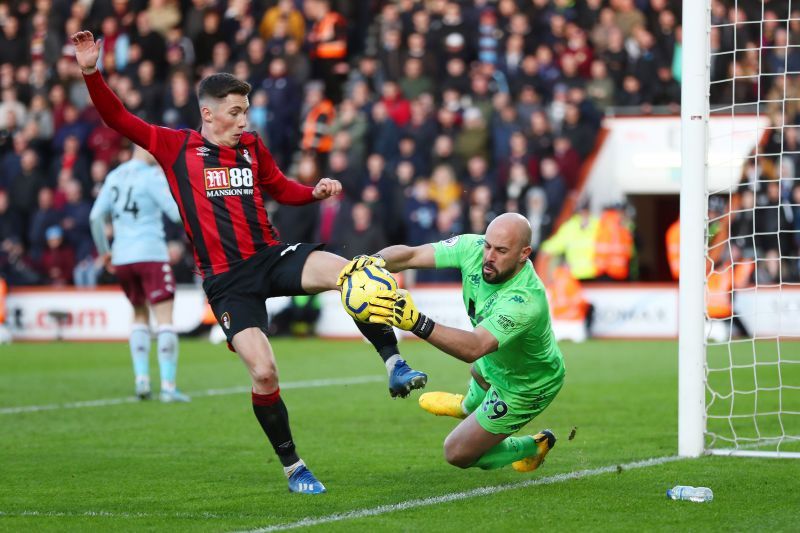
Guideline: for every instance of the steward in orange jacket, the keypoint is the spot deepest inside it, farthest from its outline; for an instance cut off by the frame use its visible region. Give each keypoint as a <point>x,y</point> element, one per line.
<point>317,123</point>
<point>722,282</point>
<point>317,128</point>
<point>614,245</point>
<point>566,299</point>
<point>566,296</point>
<point>673,239</point>
<point>3,293</point>
<point>329,37</point>
<point>327,42</point>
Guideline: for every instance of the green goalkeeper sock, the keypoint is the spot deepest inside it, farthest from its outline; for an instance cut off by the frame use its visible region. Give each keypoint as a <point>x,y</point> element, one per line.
<point>509,450</point>
<point>474,397</point>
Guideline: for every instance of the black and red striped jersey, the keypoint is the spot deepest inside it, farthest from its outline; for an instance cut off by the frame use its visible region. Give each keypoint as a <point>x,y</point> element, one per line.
<point>220,190</point>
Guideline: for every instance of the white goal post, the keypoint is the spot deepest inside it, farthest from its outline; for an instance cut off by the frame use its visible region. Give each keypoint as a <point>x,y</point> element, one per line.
<point>694,136</point>
<point>739,387</point>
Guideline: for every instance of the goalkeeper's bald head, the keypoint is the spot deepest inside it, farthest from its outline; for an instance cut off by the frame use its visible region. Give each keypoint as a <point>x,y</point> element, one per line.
<point>511,225</point>
<point>507,247</point>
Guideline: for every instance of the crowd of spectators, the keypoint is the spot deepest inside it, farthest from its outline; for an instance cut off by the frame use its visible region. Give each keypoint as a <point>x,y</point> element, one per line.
<point>758,222</point>
<point>434,114</point>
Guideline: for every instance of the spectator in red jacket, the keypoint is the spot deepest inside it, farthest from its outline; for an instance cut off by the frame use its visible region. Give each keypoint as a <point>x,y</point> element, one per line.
<point>397,106</point>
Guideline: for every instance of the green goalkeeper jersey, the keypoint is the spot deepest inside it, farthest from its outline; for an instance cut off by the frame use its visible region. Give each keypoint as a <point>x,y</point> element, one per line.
<point>528,361</point>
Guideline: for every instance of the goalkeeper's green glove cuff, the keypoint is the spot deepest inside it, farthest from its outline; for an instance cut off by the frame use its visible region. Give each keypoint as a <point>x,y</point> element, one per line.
<point>424,327</point>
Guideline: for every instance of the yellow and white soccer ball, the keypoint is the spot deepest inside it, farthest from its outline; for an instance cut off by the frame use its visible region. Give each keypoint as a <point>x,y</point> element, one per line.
<point>363,284</point>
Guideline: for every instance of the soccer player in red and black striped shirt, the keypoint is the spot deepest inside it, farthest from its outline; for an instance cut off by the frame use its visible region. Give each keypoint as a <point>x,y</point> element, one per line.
<point>220,177</point>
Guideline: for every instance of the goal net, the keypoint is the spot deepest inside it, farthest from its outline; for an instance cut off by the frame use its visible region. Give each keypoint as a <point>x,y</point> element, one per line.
<point>751,218</point>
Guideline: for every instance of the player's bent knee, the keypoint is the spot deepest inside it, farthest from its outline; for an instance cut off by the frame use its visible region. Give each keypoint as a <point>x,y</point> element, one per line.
<point>456,454</point>
<point>264,372</point>
<point>265,375</point>
<point>253,347</point>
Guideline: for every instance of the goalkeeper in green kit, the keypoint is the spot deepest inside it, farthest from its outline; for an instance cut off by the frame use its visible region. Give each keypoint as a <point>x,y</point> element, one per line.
<point>517,367</point>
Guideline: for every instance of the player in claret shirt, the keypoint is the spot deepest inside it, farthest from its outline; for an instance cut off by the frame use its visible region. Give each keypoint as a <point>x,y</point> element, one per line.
<point>134,197</point>
<point>220,176</point>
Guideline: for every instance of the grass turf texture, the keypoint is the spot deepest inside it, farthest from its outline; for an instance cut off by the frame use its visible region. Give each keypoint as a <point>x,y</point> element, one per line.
<point>206,466</point>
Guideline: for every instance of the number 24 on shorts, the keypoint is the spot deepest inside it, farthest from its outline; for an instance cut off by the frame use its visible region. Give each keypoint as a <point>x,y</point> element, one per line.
<point>498,406</point>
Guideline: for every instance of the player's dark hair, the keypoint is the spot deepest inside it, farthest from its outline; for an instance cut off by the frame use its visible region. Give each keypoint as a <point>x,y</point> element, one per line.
<point>220,85</point>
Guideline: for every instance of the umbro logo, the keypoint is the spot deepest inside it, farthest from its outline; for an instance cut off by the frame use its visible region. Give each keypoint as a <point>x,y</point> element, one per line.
<point>289,249</point>
<point>203,151</point>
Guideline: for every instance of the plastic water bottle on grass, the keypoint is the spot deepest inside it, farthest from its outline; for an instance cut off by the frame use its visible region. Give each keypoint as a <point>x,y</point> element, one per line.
<point>691,494</point>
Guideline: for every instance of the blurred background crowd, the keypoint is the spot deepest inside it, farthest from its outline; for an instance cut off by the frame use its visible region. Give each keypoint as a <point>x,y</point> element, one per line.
<point>434,114</point>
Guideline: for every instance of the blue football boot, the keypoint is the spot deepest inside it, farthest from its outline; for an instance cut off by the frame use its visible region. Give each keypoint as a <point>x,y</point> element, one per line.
<point>303,481</point>
<point>404,379</point>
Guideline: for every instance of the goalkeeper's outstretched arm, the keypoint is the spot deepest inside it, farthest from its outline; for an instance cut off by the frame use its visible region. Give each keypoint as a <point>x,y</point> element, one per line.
<point>468,346</point>
<point>397,308</point>
<point>401,257</point>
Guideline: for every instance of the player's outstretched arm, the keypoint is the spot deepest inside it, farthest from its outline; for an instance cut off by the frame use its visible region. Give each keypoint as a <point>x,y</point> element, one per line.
<point>397,308</point>
<point>468,346</point>
<point>394,259</point>
<point>87,51</point>
<point>401,257</point>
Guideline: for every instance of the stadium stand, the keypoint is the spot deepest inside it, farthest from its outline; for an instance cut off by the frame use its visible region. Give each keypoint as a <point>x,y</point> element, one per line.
<point>445,114</point>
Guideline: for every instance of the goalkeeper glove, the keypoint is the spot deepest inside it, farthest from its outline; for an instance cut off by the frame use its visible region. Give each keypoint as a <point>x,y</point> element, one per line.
<point>396,308</point>
<point>359,262</point>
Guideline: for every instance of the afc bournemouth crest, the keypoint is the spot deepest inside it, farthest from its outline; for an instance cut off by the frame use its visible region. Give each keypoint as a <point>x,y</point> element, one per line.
<point>226,320</point>
<point>246,155</point>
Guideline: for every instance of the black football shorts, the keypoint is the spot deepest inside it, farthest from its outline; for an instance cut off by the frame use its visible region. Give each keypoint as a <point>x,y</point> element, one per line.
<point>238,296</point>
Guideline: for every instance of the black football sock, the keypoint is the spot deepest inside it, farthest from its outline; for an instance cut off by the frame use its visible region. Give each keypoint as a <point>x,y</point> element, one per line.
<point>274,419</point>
<point>382,338</point>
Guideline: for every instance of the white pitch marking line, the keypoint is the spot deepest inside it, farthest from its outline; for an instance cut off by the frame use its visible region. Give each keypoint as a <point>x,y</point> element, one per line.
<point>361,513</point>
<point>455,496</point>
<point>307,384</point>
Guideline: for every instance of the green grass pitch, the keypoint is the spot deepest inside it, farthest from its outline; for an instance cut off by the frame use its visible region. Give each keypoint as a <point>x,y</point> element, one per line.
<point>206,466</point>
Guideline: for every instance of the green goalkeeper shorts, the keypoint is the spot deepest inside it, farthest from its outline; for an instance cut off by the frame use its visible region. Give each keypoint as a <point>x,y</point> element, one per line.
<point>503,413</point>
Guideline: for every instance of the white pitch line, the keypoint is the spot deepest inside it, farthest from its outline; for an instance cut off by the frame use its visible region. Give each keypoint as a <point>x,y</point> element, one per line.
<point>360,513</point>
<point>307,384</point>
<point>455,496</point>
